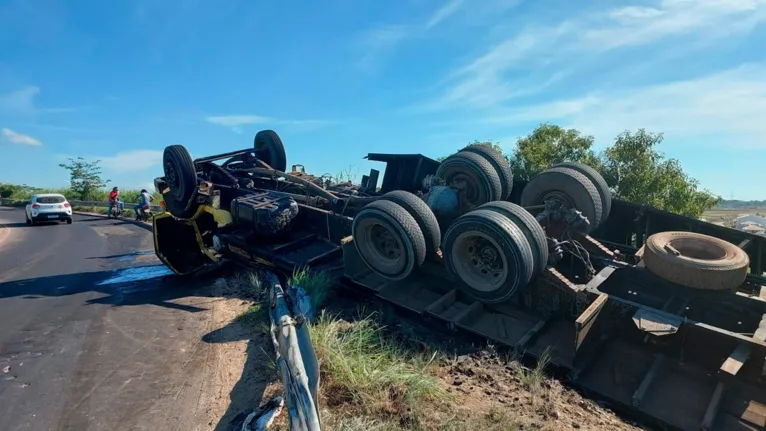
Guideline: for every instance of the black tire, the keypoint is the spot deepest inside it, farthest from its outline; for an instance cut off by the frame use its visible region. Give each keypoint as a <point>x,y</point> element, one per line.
<point>704,262</point>
<point>482,180</point>
<point>501,165</point>
<point>382,217</point>
<point>595,177</point>
<point>422,214</point>
<point>269,148</point>
<point>533,232</point>
<point>580,191</point>
<point>69,221</point>
<point>29,222</point>
<point>510,246</point>
<point>181,180</point>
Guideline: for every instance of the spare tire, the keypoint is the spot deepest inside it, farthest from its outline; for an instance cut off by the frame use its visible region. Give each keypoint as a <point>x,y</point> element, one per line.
<point>696,260</point>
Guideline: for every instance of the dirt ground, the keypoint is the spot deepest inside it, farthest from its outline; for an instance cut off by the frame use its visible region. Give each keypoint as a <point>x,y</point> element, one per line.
<point>493,390</point>
<point>488,392</point>
<point>240,363</point>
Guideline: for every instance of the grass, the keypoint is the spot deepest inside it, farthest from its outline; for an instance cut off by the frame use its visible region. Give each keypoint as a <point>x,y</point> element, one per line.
<point>366,375</point>
<point>316,284</point>
<point>533,378</point>
<point>377,378</point>
<point>253,315</point>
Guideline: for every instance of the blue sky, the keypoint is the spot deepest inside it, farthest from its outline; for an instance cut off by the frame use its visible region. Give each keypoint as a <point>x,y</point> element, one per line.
<point>119,80</point>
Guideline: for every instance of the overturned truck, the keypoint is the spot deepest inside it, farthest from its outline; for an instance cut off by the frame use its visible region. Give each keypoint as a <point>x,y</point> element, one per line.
<point>660,315</point>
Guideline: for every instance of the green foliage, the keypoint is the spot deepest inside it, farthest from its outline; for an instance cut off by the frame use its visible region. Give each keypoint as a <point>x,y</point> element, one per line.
<point>23,194</point>
<point>632,166</point>
<point>550,144</point>
<point>15,191</point>
<point>639,173</point>
<point>84,178</point>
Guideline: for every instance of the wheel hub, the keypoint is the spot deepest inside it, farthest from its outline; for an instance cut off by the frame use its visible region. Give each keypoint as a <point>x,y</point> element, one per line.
<point>385,243</point>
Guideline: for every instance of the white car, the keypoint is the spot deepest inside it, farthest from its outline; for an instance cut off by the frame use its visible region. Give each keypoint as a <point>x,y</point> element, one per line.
<point>48,207</point>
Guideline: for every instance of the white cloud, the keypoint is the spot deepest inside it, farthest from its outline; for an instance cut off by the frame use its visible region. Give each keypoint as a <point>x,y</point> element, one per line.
<point>380,40</point>
<point>235,122</point>
<point>18,138</point>
<point>22,102</point>
<point>444,12</point>
<point>129,161</point>
<point>731,102</point>
<point>543,54</point>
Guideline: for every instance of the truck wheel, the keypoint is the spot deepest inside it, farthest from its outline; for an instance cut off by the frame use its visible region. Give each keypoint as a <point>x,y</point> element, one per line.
<point>181,180</point>
<point>574,189</point>
<point>696,260</point>
<point>482,183</point>
<point>269,148</point>
<point>499,163</point>
<point>388,239</point>
<point>489,254</point>
<point>533,232</point>
<point>598,181</point>
<point>422,214</point>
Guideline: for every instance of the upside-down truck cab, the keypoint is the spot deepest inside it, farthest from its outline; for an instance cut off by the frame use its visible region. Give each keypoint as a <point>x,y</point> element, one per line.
<point>660,315</point>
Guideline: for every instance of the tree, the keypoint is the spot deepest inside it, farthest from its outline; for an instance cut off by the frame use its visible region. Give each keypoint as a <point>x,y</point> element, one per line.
<point>16,191</point>
<point>550,144</point>
<point>633,167</point>
<point>84,177</point>
<point>639,173</point>
<point>494,145</point>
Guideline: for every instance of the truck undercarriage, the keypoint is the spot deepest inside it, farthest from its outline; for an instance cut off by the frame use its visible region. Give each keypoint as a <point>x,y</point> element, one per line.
<point>661,315</point>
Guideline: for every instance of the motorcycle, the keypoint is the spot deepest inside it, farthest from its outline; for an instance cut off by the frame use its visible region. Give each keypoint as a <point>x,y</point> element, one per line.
<point>116,211</point>
<point>145,214</point>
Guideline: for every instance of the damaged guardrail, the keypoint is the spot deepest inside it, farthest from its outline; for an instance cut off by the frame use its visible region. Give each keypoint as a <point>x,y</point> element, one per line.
<point>290,312</point>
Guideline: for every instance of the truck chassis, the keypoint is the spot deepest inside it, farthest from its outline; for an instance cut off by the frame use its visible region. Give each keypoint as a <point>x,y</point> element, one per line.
<point>683,358</point>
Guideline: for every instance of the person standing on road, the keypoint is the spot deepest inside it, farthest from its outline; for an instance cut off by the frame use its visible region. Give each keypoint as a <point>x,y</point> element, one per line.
<point>114,196</point>
<point>144,199</point>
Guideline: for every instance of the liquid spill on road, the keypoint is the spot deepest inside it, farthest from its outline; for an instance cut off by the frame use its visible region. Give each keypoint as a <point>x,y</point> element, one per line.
<point>137,274</point>
<point>133,256</point>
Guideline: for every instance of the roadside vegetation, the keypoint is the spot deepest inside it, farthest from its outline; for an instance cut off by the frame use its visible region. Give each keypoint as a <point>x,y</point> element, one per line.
<point>633,166</point>
<point>86,184</point>
<point>376,375</point>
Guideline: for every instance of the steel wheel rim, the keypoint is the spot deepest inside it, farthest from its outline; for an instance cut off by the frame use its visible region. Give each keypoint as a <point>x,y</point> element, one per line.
<point>479,261</point>
<point>172,179</point>
<point>381,246</point>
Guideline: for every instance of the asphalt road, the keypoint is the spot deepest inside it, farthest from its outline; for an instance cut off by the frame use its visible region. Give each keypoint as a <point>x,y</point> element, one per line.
<point>83,346</point>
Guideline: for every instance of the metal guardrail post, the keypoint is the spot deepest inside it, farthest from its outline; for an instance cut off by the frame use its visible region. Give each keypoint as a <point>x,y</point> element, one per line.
<point>290,313</point>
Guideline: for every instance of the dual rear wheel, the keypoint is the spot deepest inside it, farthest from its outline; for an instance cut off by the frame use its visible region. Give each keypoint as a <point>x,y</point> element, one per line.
<point>493,251</point>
